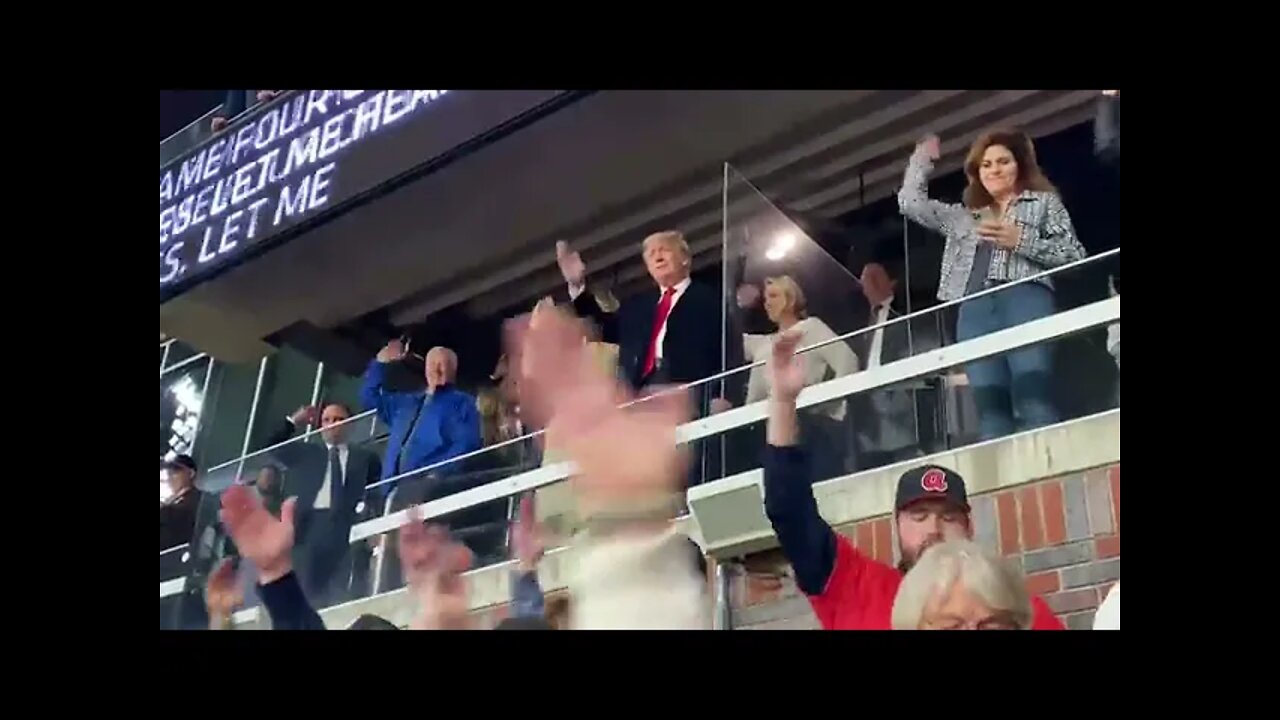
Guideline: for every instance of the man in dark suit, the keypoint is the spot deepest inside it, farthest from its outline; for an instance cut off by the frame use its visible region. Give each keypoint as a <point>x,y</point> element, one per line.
<point>178,518</point>
<point>178,511</point>
<point>329,483</point>
<point>894,423</point>
<point>670,334</point>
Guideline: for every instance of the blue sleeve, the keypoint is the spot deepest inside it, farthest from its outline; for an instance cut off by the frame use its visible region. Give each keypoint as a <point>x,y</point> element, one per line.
<point>372,396</point>
<point>288,606</point>
<point>807,540</point>
<point>463,433</point>
<point>526,595</point>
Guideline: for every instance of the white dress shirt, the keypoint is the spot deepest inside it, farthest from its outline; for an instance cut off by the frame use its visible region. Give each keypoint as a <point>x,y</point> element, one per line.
<point>324,498</point>
<point>880,314</point>
<point>662,332</point>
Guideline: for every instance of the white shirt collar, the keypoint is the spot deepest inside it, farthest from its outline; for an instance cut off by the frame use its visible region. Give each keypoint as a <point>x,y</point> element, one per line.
<point>680,287</point>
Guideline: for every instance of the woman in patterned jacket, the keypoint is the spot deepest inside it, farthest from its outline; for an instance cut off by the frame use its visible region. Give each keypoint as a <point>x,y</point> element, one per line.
<point>1011,225</point>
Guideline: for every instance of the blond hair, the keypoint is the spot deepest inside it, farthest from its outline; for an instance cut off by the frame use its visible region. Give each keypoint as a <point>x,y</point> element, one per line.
<point>964,561</point>
<point>791,289</point>
<point>672,238</point>
<point>489,408</point>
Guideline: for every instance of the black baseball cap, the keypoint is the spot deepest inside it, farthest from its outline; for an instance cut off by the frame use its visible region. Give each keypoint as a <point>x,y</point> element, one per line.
<point>371,622</point>
<point>928,483</point>
<point>185,462</point>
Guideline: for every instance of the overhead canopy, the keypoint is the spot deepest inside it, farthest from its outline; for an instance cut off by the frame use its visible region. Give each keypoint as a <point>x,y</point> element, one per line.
<point>602,172</point>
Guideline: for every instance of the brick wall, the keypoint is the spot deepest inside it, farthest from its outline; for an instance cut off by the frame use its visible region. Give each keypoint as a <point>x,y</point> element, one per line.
<point>1064,533</point>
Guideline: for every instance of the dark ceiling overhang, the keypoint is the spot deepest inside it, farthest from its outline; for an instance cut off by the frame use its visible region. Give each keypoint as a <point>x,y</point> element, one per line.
<point>602,173</point>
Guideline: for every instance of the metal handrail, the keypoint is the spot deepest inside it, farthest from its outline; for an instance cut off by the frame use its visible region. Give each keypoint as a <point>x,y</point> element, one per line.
<point>169,147</point>
<point>1037,331</point>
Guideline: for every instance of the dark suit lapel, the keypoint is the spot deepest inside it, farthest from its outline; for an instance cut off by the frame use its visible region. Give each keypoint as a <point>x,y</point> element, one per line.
<point>686,310</point>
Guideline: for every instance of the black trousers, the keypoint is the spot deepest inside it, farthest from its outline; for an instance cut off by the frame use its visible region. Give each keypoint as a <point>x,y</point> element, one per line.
<point>323,559</point>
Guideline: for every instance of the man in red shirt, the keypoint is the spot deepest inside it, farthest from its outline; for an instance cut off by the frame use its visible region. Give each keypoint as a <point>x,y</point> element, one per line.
<point>848,590</point>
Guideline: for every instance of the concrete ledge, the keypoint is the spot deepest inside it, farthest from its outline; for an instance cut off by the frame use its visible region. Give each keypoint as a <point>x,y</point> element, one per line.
<point>1068,447</point>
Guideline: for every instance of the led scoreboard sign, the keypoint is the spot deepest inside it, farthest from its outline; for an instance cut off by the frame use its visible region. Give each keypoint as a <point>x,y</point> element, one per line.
<point>284,165</point>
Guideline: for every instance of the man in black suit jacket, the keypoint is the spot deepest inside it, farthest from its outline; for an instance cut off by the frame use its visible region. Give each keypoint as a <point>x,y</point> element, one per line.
<point>894,423</point>
<point>178,518</point>
<point>329,483</point>
<point>178,511</point>
<point>670,334</point>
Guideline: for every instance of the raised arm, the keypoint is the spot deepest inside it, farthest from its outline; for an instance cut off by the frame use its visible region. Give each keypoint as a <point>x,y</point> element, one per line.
<point>287,429</point>
<point>373,395</point>
<point>807,540</point>
<point>914,200</point>
<point>585,304</point>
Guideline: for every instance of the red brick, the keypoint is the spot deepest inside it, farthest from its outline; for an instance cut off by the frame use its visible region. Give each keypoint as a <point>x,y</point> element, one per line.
<point>865,539</point>
<point>1032,525</point>
<point>883,533</point>
<point>1108,546</point>
<point>1007,510</point>
<point>1043,583</point>
<point>1115,494</point>
<point>1073,600</point>
<point>1055,515</point>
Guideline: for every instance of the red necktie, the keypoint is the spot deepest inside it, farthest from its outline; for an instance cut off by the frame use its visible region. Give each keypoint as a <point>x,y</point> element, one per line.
<point>659,318</point>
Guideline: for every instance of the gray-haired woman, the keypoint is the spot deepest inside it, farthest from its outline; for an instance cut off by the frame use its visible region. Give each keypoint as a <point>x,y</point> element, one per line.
<point>957,585</point>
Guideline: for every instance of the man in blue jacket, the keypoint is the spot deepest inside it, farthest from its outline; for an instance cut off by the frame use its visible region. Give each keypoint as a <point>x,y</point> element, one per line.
<point>427,427</point>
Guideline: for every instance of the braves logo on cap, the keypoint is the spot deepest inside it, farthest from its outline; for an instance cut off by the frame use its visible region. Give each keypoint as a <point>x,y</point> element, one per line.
<point>934,480</point>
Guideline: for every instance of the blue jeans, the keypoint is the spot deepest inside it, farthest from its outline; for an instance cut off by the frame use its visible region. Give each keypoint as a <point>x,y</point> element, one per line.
<point>1015,384</point>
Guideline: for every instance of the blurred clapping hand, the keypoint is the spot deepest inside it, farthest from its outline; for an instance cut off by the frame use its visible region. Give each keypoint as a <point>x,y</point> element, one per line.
<point>223,594</point>
<point>624,457</point>
<point>262,539</point>
<point>433,564</point>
